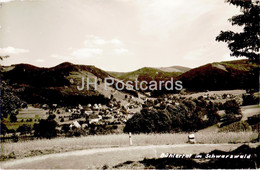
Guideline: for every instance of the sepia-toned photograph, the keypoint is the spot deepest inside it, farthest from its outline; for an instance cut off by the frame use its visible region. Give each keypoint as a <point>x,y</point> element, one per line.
<point>130,84</point>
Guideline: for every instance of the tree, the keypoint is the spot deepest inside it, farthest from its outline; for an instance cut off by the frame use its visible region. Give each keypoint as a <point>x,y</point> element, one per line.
<point>3,57</point>
<point>24,129</point>
<point>65,128</point>
<point>10,102</point>
<point>245,43</point>
<point>233,112</point>
<point>232,107</point>
<point>148,121</point>
<point>46,128</point>
<point>3,129</point>
<point>13,118</point>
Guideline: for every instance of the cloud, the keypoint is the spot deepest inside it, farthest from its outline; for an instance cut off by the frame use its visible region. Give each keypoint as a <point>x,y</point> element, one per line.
<point>61,57</point>
<point>99,41</point>
<point>93,41</point>
<point>120,51</point>
<point>116,42</point>
<point>12,50</point>
<point>97,46</point>
<point>227,57</point>
<point>5,1</point>
<point>196,54</point>
<point>161,18</point>
<point>2,1</point>
<point>40,60</point>
<point>94,46</point>
<point>84,53</point>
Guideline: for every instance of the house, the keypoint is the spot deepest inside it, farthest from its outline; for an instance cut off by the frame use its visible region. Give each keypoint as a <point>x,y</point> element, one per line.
<point>84,125</point>
<point>75,124</point>
<point>93,120</point>
<point>95,107</point>
<point>45,106</point>
<point>80,107</point>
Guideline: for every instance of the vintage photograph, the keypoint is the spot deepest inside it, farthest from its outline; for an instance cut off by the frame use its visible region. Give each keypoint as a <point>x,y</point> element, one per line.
<point>130,84</point>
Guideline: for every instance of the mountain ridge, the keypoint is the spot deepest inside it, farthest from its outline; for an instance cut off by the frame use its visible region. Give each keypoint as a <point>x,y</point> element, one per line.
<point>226,75</point>
<point>59,83</point>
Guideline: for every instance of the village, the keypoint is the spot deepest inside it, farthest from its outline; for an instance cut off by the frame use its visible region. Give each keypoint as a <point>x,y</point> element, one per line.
<point>115,113</point>
<point>110,118</point>
<point>84,116</point>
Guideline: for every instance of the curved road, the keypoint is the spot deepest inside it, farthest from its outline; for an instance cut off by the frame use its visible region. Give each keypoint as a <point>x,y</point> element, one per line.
<point>97,158</point>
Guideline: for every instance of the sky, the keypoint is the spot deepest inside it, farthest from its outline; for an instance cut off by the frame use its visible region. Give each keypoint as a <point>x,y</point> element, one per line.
<point>115,35</point>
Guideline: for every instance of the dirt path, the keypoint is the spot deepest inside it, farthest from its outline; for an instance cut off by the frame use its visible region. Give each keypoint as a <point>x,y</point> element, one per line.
<point>250,110</point>
<point>97,158</point>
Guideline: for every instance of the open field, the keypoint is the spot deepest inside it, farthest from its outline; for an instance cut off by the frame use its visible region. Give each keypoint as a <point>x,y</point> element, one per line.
<point>220,92</point>
<point>46,146</point>
<point>32,113</point>
<point>247,111</point>
<point>251,110</point>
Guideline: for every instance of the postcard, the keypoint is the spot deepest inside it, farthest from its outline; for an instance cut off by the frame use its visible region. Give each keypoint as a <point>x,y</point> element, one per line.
<point>129,84</point>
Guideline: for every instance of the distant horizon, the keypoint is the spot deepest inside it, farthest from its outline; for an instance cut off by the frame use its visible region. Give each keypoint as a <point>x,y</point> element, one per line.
<point>118,35</point>
<point>123,71</point>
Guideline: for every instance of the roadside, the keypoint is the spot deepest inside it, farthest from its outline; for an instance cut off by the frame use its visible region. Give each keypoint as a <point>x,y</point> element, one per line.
<point>97,158</point>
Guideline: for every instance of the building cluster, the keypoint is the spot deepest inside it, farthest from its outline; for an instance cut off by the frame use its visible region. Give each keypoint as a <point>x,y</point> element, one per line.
<point>113,113</point>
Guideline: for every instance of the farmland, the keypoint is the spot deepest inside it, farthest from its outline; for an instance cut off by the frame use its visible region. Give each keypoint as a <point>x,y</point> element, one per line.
<point>27,116</point>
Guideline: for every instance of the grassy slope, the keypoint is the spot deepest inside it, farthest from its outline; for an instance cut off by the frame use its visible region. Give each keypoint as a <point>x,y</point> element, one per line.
<point>148,74</point>
<point>247,111</point>
<point>28,113</point>
<point>219,76</point>
<point>45,146</point>
<point>151,71</point>
<point>174,69</point>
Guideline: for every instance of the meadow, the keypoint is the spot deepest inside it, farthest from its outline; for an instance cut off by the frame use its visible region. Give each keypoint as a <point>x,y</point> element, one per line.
<point>30,113</point>
<point>57,145</point>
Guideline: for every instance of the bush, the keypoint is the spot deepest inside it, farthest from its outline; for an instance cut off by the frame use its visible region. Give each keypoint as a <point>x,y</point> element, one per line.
<point>4,129</point>
<point>15,138</point>
<point>236,127</point>
<point>13,118</point>
<point>188,116</point>
<point>219,105</point>
<point>149,121</point>
<point>46,128</point>
<point>232,107</point>
<point>253,119</point>
<point>249,99</point>
<point>24,129</point>
<point>212,114</point>
<point>77,132</point>
<point>230,118</point>
<point>65,128</point>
